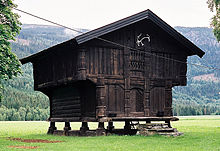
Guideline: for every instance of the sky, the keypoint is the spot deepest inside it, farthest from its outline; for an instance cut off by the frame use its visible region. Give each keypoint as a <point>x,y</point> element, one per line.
<point>91,14</point>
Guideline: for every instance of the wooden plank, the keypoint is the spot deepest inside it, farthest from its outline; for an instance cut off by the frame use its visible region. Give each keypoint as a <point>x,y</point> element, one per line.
<point>64,104</point>
<point>74,99</point>
<point>67,107</point>
<point>103,61</point>
<point>100,64</point>
<point>171,118</point>
<point>70,111</point>
<point>96,60</point>
<point>111,62</point>
<point>67,115</point>
<point>74,119</point>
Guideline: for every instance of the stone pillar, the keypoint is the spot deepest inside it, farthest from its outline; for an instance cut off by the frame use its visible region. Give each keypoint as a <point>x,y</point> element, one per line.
<point>100,97</point>
<point>67,128</point>
<point>52,128</point>
<point>100,131</point>
<point>110,126</point>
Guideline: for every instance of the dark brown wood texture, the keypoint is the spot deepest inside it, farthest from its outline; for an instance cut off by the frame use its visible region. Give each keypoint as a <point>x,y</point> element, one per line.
<point>55,68</point>
<point>99,79</point>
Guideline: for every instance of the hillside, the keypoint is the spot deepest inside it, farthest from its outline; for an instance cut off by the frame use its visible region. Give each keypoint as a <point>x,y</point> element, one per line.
<point>198,97</point>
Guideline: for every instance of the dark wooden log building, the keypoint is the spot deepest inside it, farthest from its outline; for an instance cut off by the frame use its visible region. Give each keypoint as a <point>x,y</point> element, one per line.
<point>123,71</point>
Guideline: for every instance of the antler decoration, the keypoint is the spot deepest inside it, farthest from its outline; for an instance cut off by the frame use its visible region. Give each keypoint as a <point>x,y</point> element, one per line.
<point>139,39</point>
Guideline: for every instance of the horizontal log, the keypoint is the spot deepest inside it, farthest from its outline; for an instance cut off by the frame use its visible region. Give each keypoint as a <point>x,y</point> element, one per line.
<point>145,118</point>
<point>66,103</point>
<point>74,119</point>
<point>67,115</point>
<point>89,114</point>
<point>66,111</point>
<point>66,98</point>
<point>67,107</point>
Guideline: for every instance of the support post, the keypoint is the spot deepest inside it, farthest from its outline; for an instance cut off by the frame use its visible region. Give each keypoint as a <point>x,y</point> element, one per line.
<point>82,64</point>
<point>52,128</point>
<point>127,96</point>
<point>127,80</point>
<point>101,129</point>
<point>127,127</point>
<point>168,99</point>
<point>148,121</point>
<point>67,128</point>
<point>147,97</point>
<point>100,97</point>
<point>168,122</point>
<point>110,126</point>
<point>84,127</point>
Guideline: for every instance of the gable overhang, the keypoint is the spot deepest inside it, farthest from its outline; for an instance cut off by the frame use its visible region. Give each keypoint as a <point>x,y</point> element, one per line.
<point>71,43</point>
<point>147,14</point>
<point>97,33</point>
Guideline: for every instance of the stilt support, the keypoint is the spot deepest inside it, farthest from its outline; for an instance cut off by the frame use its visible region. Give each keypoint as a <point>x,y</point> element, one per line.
<point>67,128</point>
<point>110,126</point>
<point>101,129</point>
<point>127,127</point>
<point>148,121</point>
<point>52,128</point>
<point>84,127</point>
<point>168,123</point>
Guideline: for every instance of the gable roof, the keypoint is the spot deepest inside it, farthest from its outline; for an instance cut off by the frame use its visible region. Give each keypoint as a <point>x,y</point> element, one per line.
<point>147,14</point>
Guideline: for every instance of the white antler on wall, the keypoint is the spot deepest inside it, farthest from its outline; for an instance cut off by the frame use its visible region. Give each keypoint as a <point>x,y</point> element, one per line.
<point>139,39</point>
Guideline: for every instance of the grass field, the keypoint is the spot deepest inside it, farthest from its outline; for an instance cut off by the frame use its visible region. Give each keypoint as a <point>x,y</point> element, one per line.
<point>201,133</point>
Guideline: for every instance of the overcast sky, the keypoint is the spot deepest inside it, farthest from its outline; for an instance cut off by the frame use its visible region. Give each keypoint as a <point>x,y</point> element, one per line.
<point>91,14</point>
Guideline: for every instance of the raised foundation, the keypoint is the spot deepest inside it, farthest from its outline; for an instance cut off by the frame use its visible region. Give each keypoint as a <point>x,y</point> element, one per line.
<point>129,127</point>
<point>52,128</point>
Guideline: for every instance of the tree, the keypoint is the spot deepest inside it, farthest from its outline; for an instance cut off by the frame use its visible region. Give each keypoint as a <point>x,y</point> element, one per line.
<point>214,5</point>
<point>9,28</point>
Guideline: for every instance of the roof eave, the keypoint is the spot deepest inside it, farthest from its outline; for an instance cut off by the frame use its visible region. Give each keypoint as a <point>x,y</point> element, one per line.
<point>179,37</point>
<point>31,58</point>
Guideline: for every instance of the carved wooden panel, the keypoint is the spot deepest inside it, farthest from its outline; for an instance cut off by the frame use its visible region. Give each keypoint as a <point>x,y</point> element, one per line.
<point>137,100</point>
<point>137,63</point>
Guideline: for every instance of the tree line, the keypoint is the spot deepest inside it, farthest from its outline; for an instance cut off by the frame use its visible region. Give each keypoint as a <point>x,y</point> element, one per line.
<point>23,114</point>
<point>186,110</point>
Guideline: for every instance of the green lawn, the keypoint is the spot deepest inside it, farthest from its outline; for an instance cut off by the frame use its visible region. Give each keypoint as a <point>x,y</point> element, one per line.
<point>200,134</point>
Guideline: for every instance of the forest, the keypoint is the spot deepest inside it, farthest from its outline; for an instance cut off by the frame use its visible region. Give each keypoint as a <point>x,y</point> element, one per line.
<point>199,97</point>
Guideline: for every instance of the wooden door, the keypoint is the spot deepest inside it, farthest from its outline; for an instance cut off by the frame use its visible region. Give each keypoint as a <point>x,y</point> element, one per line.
<point>157,101</point>
<point>115,100</point>
<point>136,102</point>
<point>87,91</point>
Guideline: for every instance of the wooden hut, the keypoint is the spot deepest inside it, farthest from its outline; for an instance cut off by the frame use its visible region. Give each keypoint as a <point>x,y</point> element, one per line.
<point>123,71</point>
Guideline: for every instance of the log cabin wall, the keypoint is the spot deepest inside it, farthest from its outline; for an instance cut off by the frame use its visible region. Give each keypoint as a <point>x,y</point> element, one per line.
<point>131,76</point>
<point>129,73</point>
<point>119,64</point>
<point>55,68</point>
<point>65,102</point>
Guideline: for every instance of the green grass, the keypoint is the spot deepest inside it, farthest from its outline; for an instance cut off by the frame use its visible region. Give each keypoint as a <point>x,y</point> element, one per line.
<point>201,133</point>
